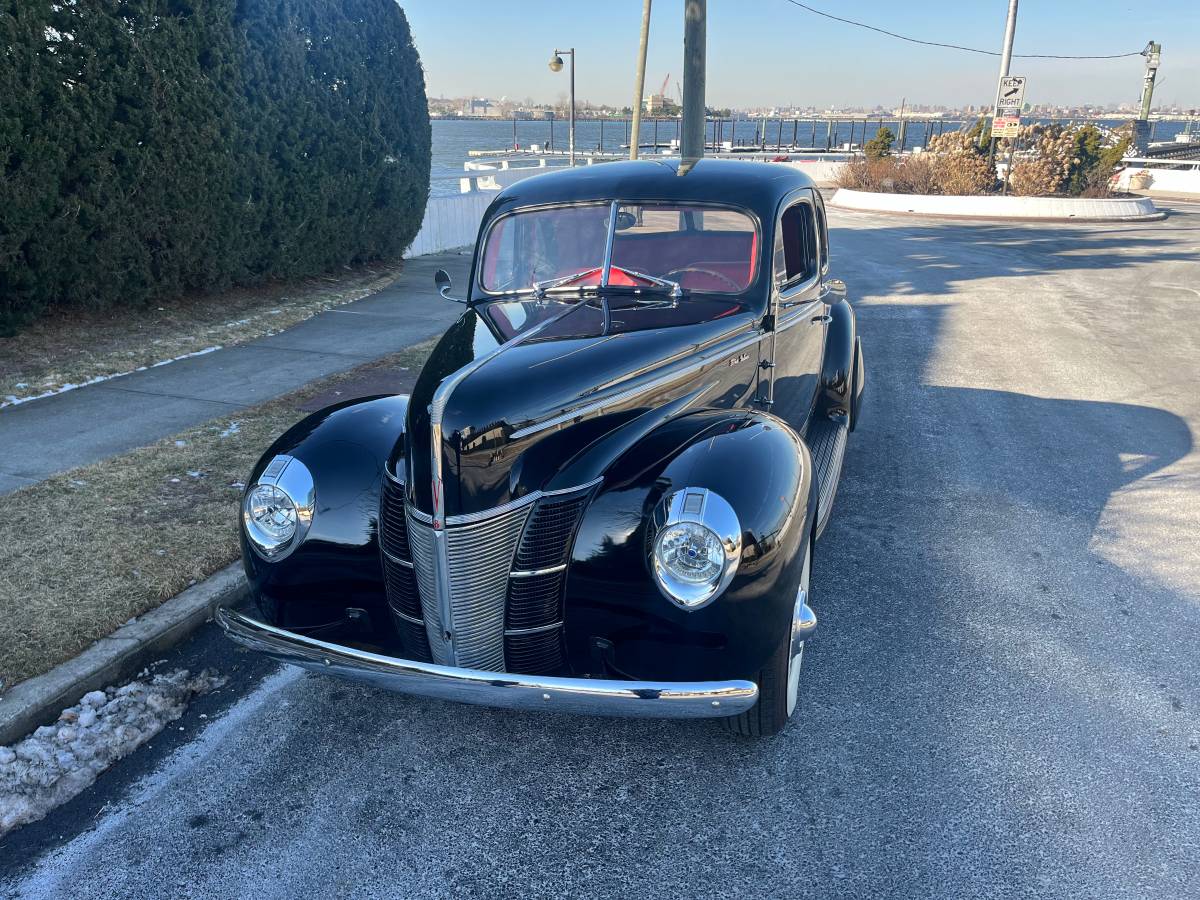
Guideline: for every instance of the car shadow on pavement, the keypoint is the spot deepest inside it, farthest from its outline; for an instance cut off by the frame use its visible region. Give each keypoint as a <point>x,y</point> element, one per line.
<point>932,257</point>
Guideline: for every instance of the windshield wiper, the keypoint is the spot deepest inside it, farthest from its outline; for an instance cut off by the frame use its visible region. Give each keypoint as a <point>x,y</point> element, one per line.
<point>540,287</point>
<point>675,287</point>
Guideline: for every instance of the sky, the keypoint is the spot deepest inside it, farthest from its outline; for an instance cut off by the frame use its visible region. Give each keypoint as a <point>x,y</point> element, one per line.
<point>769,52</point>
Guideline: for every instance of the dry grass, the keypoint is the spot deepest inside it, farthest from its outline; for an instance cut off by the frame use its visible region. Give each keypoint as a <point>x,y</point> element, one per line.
<point>85,551</point>
<point>75,347</point>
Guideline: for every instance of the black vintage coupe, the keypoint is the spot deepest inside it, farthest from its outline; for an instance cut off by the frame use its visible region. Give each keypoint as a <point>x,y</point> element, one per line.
<point>605,491</point>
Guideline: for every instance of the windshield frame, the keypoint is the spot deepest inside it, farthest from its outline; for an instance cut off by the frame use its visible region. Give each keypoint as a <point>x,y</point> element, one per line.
<point>614,205</point>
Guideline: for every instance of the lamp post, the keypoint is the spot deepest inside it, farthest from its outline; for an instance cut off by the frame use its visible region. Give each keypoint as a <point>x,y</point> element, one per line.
<point>556,65</point>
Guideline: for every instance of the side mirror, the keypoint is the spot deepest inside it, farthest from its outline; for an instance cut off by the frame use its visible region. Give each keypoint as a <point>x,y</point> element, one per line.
<point>441,278</point>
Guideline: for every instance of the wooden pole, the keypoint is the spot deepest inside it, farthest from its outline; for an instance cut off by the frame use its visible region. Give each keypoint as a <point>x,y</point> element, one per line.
<point>639,83</point>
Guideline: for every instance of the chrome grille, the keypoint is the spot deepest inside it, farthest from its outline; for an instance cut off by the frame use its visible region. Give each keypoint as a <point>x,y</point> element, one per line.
<point>420,542</point>
<point>479,555</point>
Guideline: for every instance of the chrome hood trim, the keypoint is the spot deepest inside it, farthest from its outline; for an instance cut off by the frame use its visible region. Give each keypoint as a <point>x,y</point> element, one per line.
<point>440,574</point>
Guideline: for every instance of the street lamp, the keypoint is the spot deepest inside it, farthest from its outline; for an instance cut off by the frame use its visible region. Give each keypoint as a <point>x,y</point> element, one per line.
<point>556,64</point>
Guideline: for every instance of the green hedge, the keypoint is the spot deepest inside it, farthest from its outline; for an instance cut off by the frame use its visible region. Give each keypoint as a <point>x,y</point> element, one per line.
<point>152,147</point>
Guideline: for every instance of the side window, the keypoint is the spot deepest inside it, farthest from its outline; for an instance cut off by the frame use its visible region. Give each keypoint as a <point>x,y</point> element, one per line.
<point>823,234</point>
<point>796,258</point>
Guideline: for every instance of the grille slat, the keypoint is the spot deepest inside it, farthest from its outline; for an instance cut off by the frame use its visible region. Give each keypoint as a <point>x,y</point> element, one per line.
<point>536,601</point>
<point>400,580</point>
<point>540,653</point>
<point>547,540</point>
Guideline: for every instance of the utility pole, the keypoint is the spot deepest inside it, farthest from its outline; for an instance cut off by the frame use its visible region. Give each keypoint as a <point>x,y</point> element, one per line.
<point>1141,128</point>
<point>1010,31</point>
<point>695,14</point>
<point>639,81</point>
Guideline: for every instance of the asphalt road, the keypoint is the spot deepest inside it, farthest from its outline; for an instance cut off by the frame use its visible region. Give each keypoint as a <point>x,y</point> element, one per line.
<point>1003,699</point>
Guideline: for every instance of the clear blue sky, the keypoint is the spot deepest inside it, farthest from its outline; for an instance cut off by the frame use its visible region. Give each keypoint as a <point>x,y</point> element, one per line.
<point>765,52</point>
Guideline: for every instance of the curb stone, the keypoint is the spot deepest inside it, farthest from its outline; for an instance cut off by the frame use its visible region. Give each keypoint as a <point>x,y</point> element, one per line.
<point>39,700</point>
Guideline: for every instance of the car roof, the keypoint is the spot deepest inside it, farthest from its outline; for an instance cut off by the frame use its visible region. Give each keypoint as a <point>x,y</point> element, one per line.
<point>755,186</point>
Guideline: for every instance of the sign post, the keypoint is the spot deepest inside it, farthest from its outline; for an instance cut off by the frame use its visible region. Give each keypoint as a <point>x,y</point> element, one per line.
<point>1007,122</point>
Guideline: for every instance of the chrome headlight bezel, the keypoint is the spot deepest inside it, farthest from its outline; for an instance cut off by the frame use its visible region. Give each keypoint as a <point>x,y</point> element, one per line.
<point>291,477</point>
<point>704,509</point>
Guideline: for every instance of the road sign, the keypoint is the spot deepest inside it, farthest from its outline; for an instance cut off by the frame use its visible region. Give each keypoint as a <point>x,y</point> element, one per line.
<point>1012,95</point>
<point>1005,126</point>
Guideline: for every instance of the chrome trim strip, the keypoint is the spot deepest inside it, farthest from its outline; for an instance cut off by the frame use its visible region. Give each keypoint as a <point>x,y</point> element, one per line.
<point>537,629</point>
<point>630,393</point>
<point>607,697</point>
<point>533,573</point>
<point>406,617</point>
<point>470,518</point>
<point>397,560</point>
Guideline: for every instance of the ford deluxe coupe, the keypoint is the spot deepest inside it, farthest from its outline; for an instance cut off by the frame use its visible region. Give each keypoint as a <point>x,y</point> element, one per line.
<point>605,491</point>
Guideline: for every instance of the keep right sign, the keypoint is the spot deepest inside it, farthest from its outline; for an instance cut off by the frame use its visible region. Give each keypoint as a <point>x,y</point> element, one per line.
<point>1012,95</point>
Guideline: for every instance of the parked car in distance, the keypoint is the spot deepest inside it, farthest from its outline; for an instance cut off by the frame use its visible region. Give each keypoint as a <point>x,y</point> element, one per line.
<point>605,491</point>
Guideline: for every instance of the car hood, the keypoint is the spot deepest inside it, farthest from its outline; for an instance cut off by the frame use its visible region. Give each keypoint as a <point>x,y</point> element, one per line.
<point>514,414</point>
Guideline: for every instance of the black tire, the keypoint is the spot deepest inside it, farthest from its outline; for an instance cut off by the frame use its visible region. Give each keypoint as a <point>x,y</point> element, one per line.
<point>770,714</point>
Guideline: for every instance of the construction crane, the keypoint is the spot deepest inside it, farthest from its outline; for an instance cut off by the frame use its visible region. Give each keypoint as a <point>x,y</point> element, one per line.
<point>662,92</point>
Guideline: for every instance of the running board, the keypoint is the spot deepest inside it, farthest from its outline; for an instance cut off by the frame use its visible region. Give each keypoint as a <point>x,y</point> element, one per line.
<point>827,442</point>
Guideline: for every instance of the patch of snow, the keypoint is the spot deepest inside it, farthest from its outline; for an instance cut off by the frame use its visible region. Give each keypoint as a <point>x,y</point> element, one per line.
<point>58,761</point>
<point>195,474</point>
<point>181,443</point>
<point>234,428</point>
<point>13,400</point>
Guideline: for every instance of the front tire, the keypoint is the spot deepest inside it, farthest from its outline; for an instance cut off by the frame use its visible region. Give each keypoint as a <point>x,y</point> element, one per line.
<point>779,680</point>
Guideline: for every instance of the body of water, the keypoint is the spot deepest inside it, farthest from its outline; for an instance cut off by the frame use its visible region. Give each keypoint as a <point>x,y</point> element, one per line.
<point>453,138</point>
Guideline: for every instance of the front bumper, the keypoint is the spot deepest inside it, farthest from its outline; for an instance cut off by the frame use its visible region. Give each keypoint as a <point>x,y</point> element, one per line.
<point>650,699</point>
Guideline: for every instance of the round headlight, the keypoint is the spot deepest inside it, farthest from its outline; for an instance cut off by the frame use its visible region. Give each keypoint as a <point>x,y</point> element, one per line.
<point>270,517</point>
<point>691,553</point>
<point>696,548</point>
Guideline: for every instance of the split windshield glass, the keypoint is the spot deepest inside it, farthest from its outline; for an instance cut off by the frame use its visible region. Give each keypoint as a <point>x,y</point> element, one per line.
<point>700,248</point>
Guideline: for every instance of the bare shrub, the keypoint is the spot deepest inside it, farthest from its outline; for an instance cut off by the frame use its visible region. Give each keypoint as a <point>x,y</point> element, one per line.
<point>1036,177</point>
<point>917,174</point>
<point>962,173</point>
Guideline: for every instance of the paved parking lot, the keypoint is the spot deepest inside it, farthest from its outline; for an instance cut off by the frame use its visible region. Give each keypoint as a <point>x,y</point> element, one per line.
<point>1003,699</point>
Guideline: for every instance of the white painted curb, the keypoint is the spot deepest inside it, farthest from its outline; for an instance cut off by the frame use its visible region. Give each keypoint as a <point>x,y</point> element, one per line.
<point>1131,209</point>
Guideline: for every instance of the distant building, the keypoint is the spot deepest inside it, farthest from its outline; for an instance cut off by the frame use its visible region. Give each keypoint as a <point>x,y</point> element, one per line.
<point>660,105</point>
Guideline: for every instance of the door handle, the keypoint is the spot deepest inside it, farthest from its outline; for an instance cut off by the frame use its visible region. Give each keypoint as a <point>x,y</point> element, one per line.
<point>825,318</point>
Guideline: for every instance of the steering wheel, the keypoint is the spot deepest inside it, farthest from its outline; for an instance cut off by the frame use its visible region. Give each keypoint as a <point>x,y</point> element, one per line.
<point>733,285</point>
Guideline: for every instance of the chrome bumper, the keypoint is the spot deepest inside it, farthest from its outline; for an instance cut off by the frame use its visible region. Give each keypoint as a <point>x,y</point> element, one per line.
<point>650,699</point>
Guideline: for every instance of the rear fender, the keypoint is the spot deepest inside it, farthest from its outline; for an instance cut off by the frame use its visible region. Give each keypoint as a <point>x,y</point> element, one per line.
<point>837,389</point>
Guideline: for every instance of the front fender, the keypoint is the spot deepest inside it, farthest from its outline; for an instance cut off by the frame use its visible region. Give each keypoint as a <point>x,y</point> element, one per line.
<point>617,621</point>
<point>337,566</point>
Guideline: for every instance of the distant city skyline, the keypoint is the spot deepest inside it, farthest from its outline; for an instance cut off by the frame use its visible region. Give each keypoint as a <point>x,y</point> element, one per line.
<point>772,53</point>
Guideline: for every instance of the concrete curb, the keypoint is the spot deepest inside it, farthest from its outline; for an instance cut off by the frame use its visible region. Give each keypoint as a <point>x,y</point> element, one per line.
<point>1038,209</point>
<point>132,647</point>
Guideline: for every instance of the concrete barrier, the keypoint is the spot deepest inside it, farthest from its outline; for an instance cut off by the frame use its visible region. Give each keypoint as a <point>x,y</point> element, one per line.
<point>995,207</point>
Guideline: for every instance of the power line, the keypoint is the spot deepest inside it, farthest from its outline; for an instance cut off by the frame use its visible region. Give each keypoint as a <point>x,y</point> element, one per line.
<point>913,40</point>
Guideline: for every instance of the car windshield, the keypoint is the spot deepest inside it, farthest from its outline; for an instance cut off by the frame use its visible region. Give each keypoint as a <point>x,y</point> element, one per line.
<point>656,246</point>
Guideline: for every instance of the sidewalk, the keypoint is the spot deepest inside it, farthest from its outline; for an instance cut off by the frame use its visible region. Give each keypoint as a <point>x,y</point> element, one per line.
<point>43,437</point>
